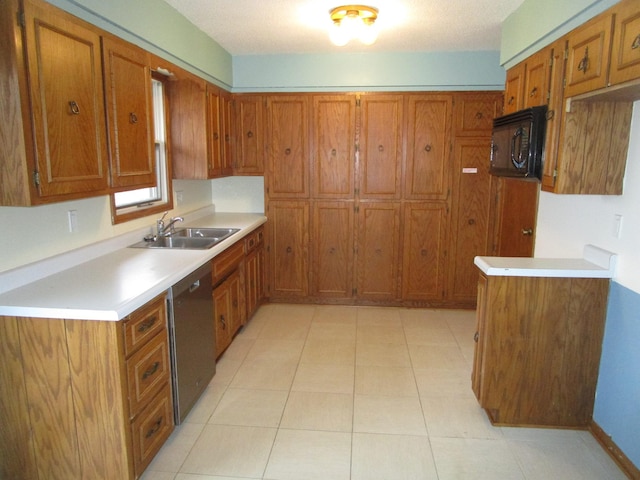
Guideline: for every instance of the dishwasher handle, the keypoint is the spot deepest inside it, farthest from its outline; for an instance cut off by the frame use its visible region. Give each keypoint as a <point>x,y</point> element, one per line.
<point>194,286</point>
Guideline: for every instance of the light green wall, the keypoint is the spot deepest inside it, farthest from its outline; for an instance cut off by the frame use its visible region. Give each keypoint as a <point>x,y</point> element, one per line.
<point>157,27</point>
<point>539,22</point>
<point>370,72</point>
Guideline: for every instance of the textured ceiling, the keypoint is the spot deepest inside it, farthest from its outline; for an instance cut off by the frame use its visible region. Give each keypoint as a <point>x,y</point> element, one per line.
<point>261,27</point>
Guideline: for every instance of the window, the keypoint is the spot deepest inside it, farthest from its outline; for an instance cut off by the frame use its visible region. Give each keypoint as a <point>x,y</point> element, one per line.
<point>141,202</point>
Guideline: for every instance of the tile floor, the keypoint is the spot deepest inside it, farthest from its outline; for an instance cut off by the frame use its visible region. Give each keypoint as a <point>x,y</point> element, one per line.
<point>360,393</point>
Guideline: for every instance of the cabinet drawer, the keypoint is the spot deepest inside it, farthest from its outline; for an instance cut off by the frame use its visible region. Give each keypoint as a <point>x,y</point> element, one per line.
<point>147,371</point>
<point>143,324</point>
<point>253,240</point>
<point>151,429</point>
<point>227,261</point>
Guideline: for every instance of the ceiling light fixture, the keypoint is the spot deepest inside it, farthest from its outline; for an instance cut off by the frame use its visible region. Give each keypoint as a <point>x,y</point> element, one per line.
<point>353,21</point>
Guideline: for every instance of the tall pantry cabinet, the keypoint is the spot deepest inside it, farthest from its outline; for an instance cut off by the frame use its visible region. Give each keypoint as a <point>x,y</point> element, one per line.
<point>367,200</point>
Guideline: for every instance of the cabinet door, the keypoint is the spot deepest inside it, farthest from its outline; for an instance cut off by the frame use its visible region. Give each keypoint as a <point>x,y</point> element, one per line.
<point>221,316</point>
<point>428,142</point>
<point>424,251</point>
<point>288,248</point>
<point>474,113</point>
<point>536,81</point>
<point>288,125</point>
<point>129,113</point>
<point>479,338</point>
<point>228,138</point>
<point>381,146</point>
<point>252,274</point>
<point>332,249</point>
<point>514,88</point>
<point>190,126</point>
<point>625,54</point>
<point>589,49</point>
<point>238,303</point>
<point>378,250</point>
<point>470,206</point>
<point>65,68</point>
<point>249,158</point>
<point>214,133</point>
<point>333,126</point>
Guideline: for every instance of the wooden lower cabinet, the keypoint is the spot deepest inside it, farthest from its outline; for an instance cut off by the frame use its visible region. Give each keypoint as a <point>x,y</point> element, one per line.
<point>378,246</point>
<point>425,233</point>
<point>67,405</point>
<point>538,349</point>
<point>288,243</point>
<point>332,249</point>
<point>254,270</point>
<point>228,310</point>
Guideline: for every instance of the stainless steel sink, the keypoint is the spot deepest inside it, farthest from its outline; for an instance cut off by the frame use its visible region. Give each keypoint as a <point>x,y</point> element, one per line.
<point>189,239</point>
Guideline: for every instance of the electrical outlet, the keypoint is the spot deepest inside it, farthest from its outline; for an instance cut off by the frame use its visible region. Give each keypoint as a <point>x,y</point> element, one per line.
<point>179,197</point>
<point>72,216</point>
<point>617,225</point>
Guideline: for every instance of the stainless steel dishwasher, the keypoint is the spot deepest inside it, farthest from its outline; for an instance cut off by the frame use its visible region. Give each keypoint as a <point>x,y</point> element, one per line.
<point>192,337</point>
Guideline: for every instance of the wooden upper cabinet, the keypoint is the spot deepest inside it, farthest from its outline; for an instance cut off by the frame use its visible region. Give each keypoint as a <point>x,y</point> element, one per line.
<point>333,126</point>
<point>514,88</point>
<point>198,126</point>
<point>428,142</point>
<point>64,104</point>
<point>588,56</point>
<point>625,53</point>
<point>474,113</point>
<point>380,146</point>
<point>129,114</point>
<point>288,133</point>
<point>249,157</point>
<point>536,79</point>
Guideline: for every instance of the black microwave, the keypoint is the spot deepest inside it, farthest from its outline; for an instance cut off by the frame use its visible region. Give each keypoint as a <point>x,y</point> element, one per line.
<point>517,144</point>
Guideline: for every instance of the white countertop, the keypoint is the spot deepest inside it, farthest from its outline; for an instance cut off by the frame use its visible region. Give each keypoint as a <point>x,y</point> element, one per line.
<point>111,286</point>
<point>596,263</point>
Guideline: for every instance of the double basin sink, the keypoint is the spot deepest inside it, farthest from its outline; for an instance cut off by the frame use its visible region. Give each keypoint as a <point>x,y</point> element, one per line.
<point>191,238</point>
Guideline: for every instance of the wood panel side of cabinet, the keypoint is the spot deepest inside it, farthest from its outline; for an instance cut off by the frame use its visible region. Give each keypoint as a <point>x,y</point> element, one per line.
<point>288,247</point>
<point>378,247</point>
<point>424,250</point>
<point>332,250</point>
<point>17,442</point>
<point>333,142</point>
<point>427,167</point>
<point>478,371</point>
<point>289,150</point>
<point>380,146</point>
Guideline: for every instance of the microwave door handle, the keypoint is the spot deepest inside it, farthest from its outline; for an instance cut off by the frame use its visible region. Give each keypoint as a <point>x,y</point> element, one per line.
<point>517,161</point>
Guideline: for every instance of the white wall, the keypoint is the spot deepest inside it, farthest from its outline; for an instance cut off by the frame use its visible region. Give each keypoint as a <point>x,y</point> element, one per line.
<point>567,222</point>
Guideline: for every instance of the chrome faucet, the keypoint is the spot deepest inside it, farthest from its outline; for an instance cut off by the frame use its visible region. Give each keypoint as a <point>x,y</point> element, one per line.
<point>166,230</point>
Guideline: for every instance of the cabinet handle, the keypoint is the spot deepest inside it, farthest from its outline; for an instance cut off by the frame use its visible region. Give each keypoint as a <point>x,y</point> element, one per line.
<point>249,134</point>
<point>427,148</point>
<point>75,109</point>
<point>147,324</point>
<point>533,92</point>
<point>133,118</point>
<point>151,370</point>
<point>527,231</point>
<point>223,322</point>
<point>479,115</point>
<point>550,114</point>
<point>583,66</point>
<point>476,336</point>
<point>511,100</point>
<point>153,430</point>
<point>636,43</point>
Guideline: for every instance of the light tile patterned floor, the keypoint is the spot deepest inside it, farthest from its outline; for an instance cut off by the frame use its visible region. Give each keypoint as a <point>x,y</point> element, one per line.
<point>360,393</point>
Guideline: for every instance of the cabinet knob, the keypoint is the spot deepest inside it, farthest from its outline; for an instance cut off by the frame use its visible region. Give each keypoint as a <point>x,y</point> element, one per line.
<point>334,152</point>
<point>636,43</point>
<point>527,231</point>
<point>380,148</point>
<point>332,250</point>
<point>479,115</point>
<point>423,252</point>
<point>511,100</point>
<point>533,92</point>
<point>249,134</point>
<point>223,322</point>
<point>583,66</point>
<point>133,118</point>
<point>471,221</point>
<point>476,336</point>
<point>289,249</point>
<point>427,148</point>
<point>287,151</point>
<point>216,136</point>
<point>75,109</point>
